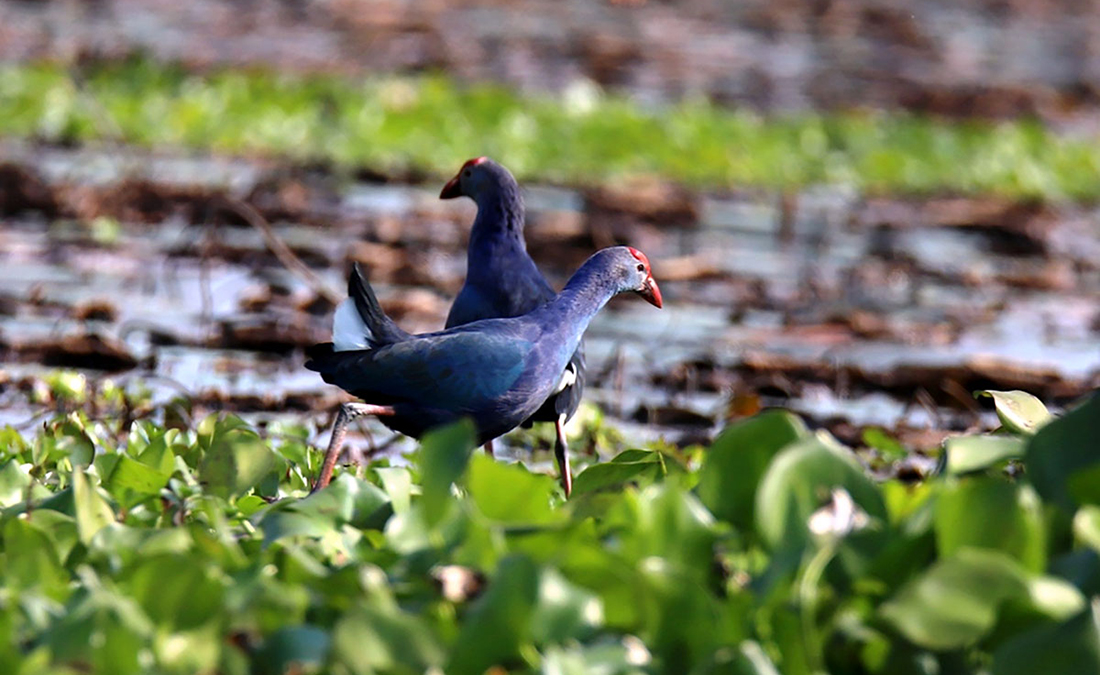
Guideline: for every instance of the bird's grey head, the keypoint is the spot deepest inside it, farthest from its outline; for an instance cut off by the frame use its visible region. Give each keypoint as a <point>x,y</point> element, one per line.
<point>630,269</point>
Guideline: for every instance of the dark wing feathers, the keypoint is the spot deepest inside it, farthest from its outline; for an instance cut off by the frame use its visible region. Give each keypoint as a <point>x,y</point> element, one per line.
<point>454,371</point>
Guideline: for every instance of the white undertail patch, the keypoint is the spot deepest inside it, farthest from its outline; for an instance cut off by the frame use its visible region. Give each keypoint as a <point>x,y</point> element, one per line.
<point>568,378</point>
<point>349,331</point>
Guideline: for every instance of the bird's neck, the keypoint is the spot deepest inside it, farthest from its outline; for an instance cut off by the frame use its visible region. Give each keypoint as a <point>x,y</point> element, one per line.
<point>582,298</point>
<point>497,234</point>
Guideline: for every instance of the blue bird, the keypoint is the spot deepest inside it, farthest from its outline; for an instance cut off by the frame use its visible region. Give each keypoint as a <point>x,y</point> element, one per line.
<point>498,372</point>
<point>503,281</point>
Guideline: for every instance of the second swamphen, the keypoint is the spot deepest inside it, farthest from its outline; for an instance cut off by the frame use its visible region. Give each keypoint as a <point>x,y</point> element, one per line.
<point>496,371</point>
<point>503,281</point>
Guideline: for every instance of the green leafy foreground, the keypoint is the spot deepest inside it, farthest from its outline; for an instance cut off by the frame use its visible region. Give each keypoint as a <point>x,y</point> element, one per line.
<point>199,551</point>
<point>582,136</point>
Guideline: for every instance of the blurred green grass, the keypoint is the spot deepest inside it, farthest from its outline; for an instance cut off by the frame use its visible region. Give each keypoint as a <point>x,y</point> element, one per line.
<point>432,124</point>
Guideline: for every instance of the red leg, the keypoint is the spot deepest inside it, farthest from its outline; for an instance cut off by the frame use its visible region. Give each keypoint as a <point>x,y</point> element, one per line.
<point>348,412</point>
<point>489,448</point>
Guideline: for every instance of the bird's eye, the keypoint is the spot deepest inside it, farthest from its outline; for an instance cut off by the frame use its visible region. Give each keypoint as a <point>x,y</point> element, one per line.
<point>641,267</point>
<point>466,173</point>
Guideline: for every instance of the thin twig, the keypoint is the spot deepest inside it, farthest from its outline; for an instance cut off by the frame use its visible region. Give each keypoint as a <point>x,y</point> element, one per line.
<point>285,255</point>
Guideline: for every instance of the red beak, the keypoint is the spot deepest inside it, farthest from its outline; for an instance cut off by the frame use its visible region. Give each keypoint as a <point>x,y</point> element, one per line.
<point>452,189</point>
<point>651,292</point>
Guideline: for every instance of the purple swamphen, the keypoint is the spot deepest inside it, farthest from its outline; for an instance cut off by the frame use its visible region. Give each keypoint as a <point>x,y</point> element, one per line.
<point>502,281</point>
<point>496,371</point>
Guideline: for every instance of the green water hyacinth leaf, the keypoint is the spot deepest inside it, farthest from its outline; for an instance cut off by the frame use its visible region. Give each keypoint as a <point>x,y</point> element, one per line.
<point>800,480</point>
<point>1068,648</point>
<point>606,657</point>
<point>1063,458</point>
<point>639,467</point>
<point>382,639</point>
<point>102,628</point>
<point>92,511</point>
<point>31,560</point>
<point>969,571</point>
<point>564,611</point>
<point>193,598</point>
<point>958,600</point>
<point>738,459</point>
<point>14,481</point>
<point>293,649</point>
<point>1086,526</point>
<point>966,454</point>
<point>128,480</point>
<point>747,659</point>
<point>499,624</point>
<point>397,483</point>
<point>1019,411</point>
<point>444,454</point>
<point>509,493</point>
<point>347,500</point>
<point>235,458</point>
<point>991,512</point>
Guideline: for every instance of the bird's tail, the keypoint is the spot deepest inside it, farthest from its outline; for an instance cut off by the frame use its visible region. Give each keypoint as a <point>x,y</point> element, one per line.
<point>360,322</point>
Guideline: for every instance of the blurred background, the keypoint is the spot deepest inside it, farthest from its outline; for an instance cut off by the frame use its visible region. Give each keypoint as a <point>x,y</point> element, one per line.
<point>859,210</point>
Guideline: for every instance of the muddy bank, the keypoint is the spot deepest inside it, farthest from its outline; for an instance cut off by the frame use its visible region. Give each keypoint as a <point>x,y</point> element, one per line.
<point>973,58</point>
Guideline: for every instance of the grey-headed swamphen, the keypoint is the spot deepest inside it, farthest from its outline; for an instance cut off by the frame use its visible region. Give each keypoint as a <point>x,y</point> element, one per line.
<point>496,371</point>
<point>502,281</point>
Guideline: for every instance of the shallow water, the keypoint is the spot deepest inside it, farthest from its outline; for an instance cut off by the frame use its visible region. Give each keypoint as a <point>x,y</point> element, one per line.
<point>834,287</point>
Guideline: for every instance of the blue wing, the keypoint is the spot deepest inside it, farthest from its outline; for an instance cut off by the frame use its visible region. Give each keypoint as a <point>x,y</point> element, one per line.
<point>453,371</point>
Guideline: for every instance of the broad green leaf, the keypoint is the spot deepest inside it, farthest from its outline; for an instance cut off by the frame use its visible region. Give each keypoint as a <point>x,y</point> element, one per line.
<point>1068,648</point>
<point>14,481</point>
<point>887,445</point>
<point>192,598</point>
<point>990,512</point>
<point>800,480</point>
<point>564,611</point>
<point>73,442</point>
<point>193,651</point>
<point>30,560</point>
<point>976,453</point>
<point>92,511</point>
<point>1084,485</point>
<point>59,527</point>
<point>665,522</point>
<point>235,457</point>
<point>1086,526</point>
<point>397,482</point>
<point>157,452</point>
<point>101,628</point>
<point>499,623</point>
<point>509,493</point>
<point>607,657</point>
<point>628,467</point>
<point>370,639</point>
<point>1019,412</point>
<point>681,620</point>
<point>128,480</point>
<point>737,460</point>
<point>958,600</point>
<point>1062,450</point>
<point>444,454</point>
<point>293,649</point>
<point>347,500</point>
<point>746,659</point>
